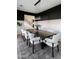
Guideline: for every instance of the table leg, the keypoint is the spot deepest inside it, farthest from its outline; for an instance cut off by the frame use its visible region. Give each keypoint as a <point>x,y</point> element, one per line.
<point>42,45</point>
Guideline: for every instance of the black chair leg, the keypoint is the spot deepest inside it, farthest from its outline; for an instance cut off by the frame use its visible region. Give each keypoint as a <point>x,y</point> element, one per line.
<point>42,45</point>
<point>58,48</point>
<point>22,37</point>
<point>27,42</point>
<point>52,50</point>
<point>33,47</point>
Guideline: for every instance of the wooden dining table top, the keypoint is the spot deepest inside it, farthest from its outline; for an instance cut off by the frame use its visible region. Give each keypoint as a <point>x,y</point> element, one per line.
<point>41,33</point>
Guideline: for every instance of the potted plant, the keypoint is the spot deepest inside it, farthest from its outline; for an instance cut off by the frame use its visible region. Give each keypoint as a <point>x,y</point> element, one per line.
<point>37,27</point>
<point>19,24</point>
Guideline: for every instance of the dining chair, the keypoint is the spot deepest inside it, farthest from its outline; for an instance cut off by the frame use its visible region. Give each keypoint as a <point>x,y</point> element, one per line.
<point>27,37</point>
<point>33,40</point>
<point>23,34</point>
<point>53,42</point>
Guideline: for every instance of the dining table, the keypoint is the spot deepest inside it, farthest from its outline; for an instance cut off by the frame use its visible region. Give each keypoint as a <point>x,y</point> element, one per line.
<point>42,34</point>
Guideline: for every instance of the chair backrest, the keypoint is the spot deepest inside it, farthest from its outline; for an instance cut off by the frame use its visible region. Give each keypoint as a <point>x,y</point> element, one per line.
<point>23,31</point>
<point>31,35</point>
<point>26,34</point>
<point>56,37</point>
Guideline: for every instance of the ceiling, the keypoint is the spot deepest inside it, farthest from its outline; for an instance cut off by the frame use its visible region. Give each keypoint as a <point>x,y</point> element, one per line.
<point>28,5</point>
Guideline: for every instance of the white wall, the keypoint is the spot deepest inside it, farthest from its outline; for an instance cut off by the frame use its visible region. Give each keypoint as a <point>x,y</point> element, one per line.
<point>51,24</point>
<point>48,25</point>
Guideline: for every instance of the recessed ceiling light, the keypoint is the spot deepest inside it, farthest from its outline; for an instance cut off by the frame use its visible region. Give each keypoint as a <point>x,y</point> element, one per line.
<point>21,5</point>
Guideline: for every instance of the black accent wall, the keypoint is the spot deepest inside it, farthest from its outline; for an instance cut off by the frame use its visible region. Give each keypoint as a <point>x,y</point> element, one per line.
<point>20,14</point>
<point>53,13</point>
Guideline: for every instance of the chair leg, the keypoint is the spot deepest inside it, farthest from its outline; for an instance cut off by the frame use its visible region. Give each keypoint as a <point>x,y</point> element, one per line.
<point>58,48</point>
<point>52,49</point>
<point>27,42</point>
<point>23,38</point>
<point>40,42</point>
<point>42,45</point>
<point>33,47</point>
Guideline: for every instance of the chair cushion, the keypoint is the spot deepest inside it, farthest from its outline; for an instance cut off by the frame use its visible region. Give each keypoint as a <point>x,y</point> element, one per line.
<point>26,35</point>
<point>31,35</point>
<point>23,32</point>
<point>50,43</point>
<point>54,40</point>
<point>56,37</point>
<point>36,40</point>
